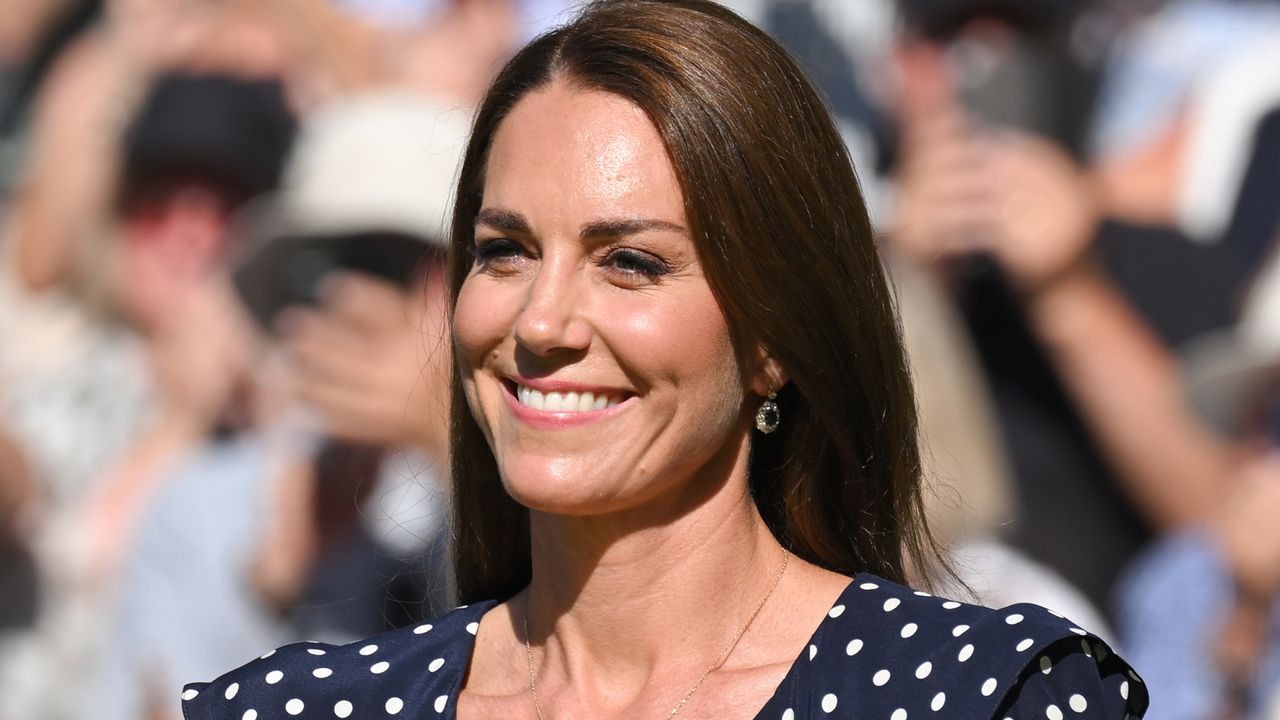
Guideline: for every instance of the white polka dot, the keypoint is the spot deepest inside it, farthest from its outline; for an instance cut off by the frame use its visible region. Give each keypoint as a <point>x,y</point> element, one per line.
<point>853,647</point>
<point>1046,665</point>
<point>880,678</point>
<point>473,627</point>
<point>1101,652</point>
<point>1078,703</point>
<point>1077,631</point>
<point>1013,619</point>
<point>436,664</point>
<point>891,604</point>
<point>440,703</point>
<point>1025,644</point>
<point>788,714</point>
<point>1086,648</point>
<point>274,677</point>
<point>322,673</point>
<point>1053,713</point>
<point>343,708</point>
<point>908,630</point>
<point>922,593</point>
<point>813,650</point>
<point>249,714</point>
<point>959,630</point>
<point>394,705</point>
<point>989,687</point>
<point>828,703</point>
<point>1134,676</point>
<point>938,701</point>
<point>232,689</point>
<point>899,714</point>
<point>923,671</point>
<point>966,652</point>
<point>869,586</point>
<point>836,611</point>
<point>268,654</point>
<point>422,629</point>
<point>315,651</point>
<point>368,649</point>
<point>189,694</point>
<point>951,605</point>
<point>379,668</point>
<point>1124,689</point>
<point>294,707</point>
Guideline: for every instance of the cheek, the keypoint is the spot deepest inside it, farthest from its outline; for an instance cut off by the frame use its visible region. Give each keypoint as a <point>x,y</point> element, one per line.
<point>480,321</point>
<point>683,341</point>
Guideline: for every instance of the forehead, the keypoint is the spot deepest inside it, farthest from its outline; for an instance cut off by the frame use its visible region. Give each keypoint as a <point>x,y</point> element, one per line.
<point>568,152</point>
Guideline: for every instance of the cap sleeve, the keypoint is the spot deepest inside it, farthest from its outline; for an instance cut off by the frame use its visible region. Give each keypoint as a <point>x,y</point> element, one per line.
<point>1076,677</point>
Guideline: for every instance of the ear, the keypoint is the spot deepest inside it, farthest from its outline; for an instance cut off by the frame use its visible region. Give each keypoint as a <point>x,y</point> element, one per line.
<point>767,374</point>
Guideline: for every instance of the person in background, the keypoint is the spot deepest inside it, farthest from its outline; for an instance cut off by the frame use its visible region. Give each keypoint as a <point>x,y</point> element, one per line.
<point>992,199</point>
<point>323,517</point>
<point>199,147</point>
<point>1198,609</point>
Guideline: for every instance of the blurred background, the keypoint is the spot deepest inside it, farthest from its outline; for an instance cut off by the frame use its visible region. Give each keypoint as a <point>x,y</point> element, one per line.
<point>223,352</point>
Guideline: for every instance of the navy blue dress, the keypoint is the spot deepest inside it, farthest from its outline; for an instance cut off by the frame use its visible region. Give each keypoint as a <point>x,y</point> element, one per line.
<point>884,652</point>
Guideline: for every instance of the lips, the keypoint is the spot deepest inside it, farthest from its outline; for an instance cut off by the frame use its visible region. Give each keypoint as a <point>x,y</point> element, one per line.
<point>572,401</point>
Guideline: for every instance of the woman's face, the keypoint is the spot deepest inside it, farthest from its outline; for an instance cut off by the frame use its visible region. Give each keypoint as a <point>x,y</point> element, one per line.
<point>594,356</point>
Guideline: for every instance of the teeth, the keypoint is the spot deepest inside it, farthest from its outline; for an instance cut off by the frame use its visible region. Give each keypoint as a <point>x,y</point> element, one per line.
<point>564,402</point>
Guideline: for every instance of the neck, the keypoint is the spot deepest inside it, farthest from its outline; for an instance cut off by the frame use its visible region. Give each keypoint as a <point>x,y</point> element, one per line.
<point>619,595</point>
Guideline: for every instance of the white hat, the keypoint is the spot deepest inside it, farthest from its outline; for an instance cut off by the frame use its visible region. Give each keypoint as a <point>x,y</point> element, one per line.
<point>381,161</point>
<point>368,187</point>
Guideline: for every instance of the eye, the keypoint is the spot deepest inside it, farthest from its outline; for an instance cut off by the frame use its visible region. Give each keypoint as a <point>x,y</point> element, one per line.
<point>636,264</point>
<point>497,253</point>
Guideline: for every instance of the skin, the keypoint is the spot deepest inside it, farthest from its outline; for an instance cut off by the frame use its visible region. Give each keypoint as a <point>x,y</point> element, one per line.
<point>372,360</point>
<point>648,553</point>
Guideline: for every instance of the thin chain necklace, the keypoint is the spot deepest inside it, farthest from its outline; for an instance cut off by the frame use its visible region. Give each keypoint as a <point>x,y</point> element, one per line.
<point>528,651</point>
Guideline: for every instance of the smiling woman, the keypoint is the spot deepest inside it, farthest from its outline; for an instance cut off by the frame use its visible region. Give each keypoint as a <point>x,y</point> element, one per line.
<point>686,476</point>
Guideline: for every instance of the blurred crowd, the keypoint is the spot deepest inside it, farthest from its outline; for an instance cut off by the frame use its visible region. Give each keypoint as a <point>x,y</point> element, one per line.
<point>224,348</point>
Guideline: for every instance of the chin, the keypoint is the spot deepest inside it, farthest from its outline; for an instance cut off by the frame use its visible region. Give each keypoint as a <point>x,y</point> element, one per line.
<point>561,486</point>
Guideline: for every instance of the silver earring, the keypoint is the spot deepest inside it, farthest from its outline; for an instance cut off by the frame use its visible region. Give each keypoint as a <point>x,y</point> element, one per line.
<point>768,416</point>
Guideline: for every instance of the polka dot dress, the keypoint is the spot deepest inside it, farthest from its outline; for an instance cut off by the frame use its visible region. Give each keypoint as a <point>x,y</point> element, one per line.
<point>882,652</point>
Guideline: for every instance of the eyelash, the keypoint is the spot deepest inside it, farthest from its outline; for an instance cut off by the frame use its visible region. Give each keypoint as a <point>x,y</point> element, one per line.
<point>487,252</point>
<point>634,262</point>
<point>626,261</point>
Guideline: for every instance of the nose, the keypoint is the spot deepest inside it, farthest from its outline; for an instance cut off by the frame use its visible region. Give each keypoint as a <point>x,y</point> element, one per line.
<point>551,321</point>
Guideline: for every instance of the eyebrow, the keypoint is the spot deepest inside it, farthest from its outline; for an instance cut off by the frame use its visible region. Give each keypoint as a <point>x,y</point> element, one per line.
<point>515,223</point>
<point>503,221</point>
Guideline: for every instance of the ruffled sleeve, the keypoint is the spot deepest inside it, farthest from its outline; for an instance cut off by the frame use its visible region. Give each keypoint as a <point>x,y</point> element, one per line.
<point>1076,678</point>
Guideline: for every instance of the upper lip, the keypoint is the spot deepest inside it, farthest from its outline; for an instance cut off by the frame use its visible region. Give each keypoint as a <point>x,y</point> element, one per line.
<point>549,385</point>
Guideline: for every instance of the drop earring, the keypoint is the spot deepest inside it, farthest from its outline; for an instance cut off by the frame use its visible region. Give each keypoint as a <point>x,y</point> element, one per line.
<point>768,417</point>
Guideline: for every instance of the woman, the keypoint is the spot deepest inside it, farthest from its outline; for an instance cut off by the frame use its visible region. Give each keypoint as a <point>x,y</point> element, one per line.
<point>686,472</point>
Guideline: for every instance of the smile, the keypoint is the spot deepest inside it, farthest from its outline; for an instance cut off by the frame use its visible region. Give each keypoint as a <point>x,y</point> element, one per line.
<point>565,402</point>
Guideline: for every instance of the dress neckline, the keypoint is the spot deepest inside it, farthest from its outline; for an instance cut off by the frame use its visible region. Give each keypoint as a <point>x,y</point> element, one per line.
<point>837,607</point>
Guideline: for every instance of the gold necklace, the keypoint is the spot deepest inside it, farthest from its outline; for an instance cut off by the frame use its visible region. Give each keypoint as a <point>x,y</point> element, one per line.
<point>528,651</point>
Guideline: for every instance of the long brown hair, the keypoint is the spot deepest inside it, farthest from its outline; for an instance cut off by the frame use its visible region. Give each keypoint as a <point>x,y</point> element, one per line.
<point>785,242</point>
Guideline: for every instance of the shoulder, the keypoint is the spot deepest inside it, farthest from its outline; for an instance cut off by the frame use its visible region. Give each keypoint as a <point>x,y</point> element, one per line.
<point>891,648</point>
<point>416,667</point>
